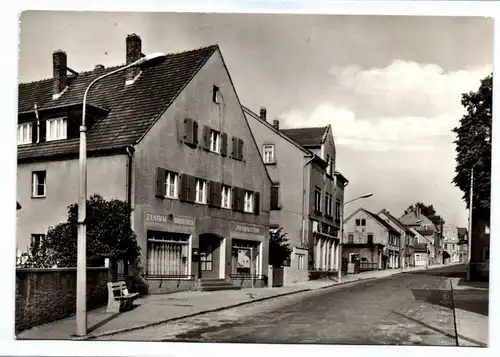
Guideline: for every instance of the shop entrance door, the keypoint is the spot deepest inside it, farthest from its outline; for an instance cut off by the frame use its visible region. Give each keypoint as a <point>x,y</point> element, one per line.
<point>209,256</point>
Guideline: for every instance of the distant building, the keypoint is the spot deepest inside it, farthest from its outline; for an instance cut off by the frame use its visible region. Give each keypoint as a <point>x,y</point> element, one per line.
<point>408,239</point>
<point>450,242</point>
<point>371,240</point>
<point>463,244</point>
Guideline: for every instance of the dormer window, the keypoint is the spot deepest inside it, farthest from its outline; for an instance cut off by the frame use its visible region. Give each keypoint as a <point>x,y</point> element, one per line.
<point>24,134</point>
<point>56,129</point>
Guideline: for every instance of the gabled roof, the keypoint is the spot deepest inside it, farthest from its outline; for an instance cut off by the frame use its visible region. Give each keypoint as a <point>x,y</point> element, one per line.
<point>396,221</point>
<point>307,136</point>
<point>376,218</point>
<point>277,132</point>
<point>133,109</point>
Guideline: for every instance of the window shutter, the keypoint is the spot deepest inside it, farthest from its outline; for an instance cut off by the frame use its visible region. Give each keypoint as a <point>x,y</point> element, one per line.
<point>191,196</point>
<point>206,137</point>
<point>223,147</point>
<point>256,202</point>
<point>214,196</point>
<point>274,197</point>
<point>33,131</point>
<point>160,182</point>
<point>43,130</point>
<point>241,205</point>
<point>233,147</point>
<point>184,187</point>
<point>195,132</point>
<point>188,131</point>
<point>240,149</point>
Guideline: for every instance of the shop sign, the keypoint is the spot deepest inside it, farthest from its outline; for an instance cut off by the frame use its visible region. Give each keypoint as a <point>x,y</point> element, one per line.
<point>168,219</point>
<point>244,228</point>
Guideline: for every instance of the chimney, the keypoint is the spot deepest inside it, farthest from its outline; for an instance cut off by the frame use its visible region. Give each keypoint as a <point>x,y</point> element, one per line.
<point>98,67</point>
<point>263,113</point>
<point>59,66</point>
<point>276,124</point>
<point>134,45</point>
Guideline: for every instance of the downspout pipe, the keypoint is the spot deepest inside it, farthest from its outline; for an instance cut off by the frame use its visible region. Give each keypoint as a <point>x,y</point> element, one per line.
<point>311,158</point>
<point>130,153</point>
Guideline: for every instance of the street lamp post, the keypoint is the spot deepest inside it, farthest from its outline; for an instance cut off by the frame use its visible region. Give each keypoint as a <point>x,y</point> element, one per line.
<point>150,60</point>
<point>339,257</point>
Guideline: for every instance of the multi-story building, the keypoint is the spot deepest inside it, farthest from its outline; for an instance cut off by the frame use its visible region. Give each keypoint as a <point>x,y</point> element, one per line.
<point>173,142</point>
<point>408,239</point>
<point>463,243</point>
<point>425,226</point>
<point>307,192</point>
<point>450,242</point>
<point>371,240</point>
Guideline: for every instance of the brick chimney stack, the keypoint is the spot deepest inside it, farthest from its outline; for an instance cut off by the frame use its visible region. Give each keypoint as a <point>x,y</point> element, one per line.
<point>134,48</point>
<point>276,124</point>
<point>60,72</point>
<point>263,113</point>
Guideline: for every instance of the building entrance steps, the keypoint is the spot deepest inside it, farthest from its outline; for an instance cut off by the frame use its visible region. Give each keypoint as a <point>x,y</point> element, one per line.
<point>157,309</point>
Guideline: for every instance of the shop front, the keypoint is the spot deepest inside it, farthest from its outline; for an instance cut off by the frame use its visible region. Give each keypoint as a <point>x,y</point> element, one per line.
<point>247,254</point>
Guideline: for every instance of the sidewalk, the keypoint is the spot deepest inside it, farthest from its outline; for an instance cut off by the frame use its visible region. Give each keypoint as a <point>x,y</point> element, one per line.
<point>156,309</point>
<point>471,312</point>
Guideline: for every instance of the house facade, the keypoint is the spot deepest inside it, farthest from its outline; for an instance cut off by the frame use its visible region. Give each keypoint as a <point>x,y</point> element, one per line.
<point>408,239</point>
<point>450,242</point>
<point>426,228</point>
<point>173,143</point>
<point>308,206</point>
<point>463,244</point>
<point>371,240</point>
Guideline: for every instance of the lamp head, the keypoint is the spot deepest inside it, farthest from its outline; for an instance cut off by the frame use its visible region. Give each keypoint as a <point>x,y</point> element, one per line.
<point>150,60</point>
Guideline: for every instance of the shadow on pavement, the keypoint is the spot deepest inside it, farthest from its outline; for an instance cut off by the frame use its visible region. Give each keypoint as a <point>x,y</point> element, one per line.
<point>435,297</point>
<point>108,319</point>
<point>437,272</point>
<point>472,300</point>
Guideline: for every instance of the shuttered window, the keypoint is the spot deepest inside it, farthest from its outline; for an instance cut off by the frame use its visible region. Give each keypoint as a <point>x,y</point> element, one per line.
<point>237,148</point>
<point>190,136</point>
<point>249,201</point>
<point>223,147</point>
<point>214,193</point>
<point>226,197</point>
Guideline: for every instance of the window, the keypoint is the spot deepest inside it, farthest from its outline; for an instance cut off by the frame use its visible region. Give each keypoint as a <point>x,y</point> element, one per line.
<point>39,181</point>
<point>358,222</point>
<point>248,202</point>
<point>24,133</point>
<point>350,238</point>
<point>216,96</point>
<point>317,200</point>
<point>167,254</point>
<point>370,238</point>
<point>300,261</point>
<point>226,197</point>
<point>328,204</point>
<point>363,222</point>
<point>275,197</point>
<point>56,129</point>
<point>214,141</point>
<point>337,211</point>
<point>171,190</point>
<point>201,191</point>
<point>268,154</point>
<point>37,239</point>
<point>245,257</point>
<point>329,167</point>
<point>206,257</point>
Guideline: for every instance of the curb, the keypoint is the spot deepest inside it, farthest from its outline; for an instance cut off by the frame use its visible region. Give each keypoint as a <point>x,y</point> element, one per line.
<point>140,327</point>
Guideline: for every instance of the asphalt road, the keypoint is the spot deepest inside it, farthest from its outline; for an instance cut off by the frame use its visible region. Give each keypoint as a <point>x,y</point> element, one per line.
<point>405,309</point>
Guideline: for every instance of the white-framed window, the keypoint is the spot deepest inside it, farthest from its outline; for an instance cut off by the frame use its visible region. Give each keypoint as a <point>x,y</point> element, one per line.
<point>226,197</point>
<point>300,261</point>
<point>214,141</point>
<point>39,183</point>
<point>24,134</point>
<point>268,153</point>
<point>248,201</point>
<point>56,129</point>
<point>171,184</point>
<point>167,254</point>
<point>201,191</point>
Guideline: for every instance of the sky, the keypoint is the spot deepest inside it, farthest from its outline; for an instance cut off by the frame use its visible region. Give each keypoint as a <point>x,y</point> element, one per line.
<point>390,86</point>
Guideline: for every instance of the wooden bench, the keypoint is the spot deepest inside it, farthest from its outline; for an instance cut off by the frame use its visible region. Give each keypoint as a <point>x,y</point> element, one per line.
<point>119,299</point>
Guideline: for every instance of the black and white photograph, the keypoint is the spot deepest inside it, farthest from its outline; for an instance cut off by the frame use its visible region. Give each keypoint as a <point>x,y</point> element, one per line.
<point>262,178</point>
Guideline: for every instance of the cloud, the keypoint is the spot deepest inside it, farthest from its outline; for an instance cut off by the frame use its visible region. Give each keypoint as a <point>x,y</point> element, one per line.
<point>399,107</point>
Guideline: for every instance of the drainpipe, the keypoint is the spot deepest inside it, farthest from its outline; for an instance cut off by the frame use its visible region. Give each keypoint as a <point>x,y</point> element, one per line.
<point>130,153</point>
<point>311,158</point>
<point>37,123</point>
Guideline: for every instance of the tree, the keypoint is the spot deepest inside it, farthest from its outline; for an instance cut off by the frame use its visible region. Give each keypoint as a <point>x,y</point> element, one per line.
<point>279,248</point>
<point>109,235</point>
<point>473,147</point>
<point>427,211</point>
